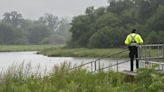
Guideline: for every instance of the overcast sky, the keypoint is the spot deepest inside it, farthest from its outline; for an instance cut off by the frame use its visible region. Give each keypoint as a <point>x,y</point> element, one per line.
<point>33,9</point>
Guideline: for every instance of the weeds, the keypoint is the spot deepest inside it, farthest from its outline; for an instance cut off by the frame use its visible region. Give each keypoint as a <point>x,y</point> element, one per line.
<point>22,78</point>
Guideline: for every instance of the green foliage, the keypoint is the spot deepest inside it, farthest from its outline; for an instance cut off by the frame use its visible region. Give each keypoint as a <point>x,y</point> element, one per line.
<point>104,38</point>
<point>82,52</point>
<point>150,81</point>
<point>116,21</point>
<point>118,6</point>
<point>108,19</point>
<point>8,48</point>
<point>155,37</point>
<point>37,33</point>
<point>80,31</point>
<point>21,78</point>
<point>11,35</point>
<point>156,22</point>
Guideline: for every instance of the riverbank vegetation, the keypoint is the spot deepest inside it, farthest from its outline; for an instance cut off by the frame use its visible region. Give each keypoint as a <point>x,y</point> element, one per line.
<point>13,48</point>
<point>21,78</point>
<point>84,52</point>
<point>62,51</point>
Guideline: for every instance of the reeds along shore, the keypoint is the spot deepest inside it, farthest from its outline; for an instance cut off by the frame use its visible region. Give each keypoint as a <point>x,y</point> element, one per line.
<point>22,78</point>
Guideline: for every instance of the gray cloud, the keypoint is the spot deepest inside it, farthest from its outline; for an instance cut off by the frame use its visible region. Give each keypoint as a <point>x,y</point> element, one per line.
<point>36,8</point>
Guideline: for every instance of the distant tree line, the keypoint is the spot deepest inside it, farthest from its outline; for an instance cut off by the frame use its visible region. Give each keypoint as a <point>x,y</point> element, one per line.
<point>108,26</point>
<point>48,29</point>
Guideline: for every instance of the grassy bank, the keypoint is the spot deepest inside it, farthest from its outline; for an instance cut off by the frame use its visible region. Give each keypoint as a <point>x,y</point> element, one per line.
<point>22,79</point>
<point>11,48</point>
<point>83,52</point>
<point>60,51</point>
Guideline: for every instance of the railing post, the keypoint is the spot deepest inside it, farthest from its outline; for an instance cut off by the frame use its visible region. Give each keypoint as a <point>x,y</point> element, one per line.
<point>163,50</point>
<point>144,51</point>
<point>162,67</point>
<point>149,52</point>
<point>139,52</point>
<point>99,64</point>
<point>95,65</point>
<point>91,67</point>
<point>139,48</point>
<point>146,55</point>
<point>117,65</point>
<point>159,67</point>
<point>158,49</point>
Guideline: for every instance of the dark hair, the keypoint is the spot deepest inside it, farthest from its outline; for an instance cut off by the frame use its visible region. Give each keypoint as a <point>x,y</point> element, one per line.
<point>134,31</point>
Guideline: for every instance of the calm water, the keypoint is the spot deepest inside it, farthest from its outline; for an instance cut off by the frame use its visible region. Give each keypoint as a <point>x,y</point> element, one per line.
<point>9,58</point>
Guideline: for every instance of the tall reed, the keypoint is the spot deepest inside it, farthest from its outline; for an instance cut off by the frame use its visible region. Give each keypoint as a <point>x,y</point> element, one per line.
<point>23,78</point>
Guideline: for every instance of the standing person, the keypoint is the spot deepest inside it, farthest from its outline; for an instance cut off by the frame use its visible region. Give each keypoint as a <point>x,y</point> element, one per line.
<point>132,40</point>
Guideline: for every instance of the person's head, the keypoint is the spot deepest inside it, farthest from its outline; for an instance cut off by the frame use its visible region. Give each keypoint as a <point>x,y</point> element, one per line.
<point>133,30</point>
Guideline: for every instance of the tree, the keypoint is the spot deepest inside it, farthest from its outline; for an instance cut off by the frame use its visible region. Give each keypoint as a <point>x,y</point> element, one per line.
<point>51,21</point>
<point>118,6</point>
<point>156,21</point>
<point>82,28</point>
<point>38,32</point>
<point>63,30</point>
<point>106,37</point>
<point>13,18</point>
<point>100,11</point>
<point>61,35</point>
<point>120,17</point>
<point>108,19</point>
<point>89,10</point>
<point>11,35</point>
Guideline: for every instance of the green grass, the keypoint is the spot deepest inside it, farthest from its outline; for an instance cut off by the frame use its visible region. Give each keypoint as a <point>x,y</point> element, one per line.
<point>11,48</point>
<point>21,79</point>
<point>82,52</point>
<point>61,51</point>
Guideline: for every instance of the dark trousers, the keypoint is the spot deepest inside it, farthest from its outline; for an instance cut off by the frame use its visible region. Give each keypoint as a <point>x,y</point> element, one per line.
<point>133,54</point>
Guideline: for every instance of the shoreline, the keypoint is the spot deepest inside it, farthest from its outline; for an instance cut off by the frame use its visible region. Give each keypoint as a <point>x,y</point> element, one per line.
<point>61,51</point>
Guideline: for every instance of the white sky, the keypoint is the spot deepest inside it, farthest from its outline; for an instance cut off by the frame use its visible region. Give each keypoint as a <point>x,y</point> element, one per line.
<point>33,9</point>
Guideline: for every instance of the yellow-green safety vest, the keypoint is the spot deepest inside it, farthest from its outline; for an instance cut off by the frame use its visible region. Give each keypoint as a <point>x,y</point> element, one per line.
<point>133,39</point>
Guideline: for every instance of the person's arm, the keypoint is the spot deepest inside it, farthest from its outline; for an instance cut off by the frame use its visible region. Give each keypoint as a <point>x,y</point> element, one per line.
<point>140,40</point>
<point>128,40</point>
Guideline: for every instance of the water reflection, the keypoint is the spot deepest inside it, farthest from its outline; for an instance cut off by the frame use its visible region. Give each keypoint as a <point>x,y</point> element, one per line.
<point>9,58</point>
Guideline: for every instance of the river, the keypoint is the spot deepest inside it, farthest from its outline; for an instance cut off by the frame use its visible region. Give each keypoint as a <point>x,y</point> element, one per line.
<point>9,58</point>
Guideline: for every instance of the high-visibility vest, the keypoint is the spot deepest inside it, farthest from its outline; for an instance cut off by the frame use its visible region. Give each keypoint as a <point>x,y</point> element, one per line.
<point>133,39</point>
